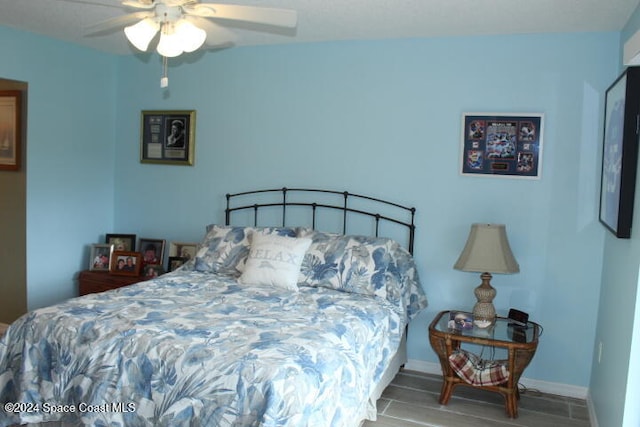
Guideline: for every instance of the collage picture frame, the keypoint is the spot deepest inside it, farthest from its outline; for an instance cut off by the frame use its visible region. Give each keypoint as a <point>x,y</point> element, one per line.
<point>504,145</point>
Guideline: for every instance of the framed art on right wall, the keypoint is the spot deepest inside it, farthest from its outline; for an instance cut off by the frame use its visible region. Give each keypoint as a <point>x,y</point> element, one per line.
<point>620,153</point>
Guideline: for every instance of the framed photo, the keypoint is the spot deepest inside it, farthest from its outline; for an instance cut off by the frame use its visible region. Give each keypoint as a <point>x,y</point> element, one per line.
<point>151,271</point>
<point>126,263</point>
<point>10,129</point>
<point>152,250</point>
<point>168,137</point>
<point>460,320</point>
<point>175,262</point>
<point>121,242</point>
<point>100,257</point>
<point>620,153</point>
<point>502,145</point>
<point>183,250</point>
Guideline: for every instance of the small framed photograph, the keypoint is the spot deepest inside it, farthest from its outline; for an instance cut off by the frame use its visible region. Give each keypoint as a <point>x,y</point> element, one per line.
<point>125,263</point>
<point>460,320</point>
<point>183,250</point>
<point>10,129</point>
<point>152,250</point>
<point>168,137</point>
<point>176,262</point>
<point>152,270</point>
<point>100,258</point>
<point>121,242</point>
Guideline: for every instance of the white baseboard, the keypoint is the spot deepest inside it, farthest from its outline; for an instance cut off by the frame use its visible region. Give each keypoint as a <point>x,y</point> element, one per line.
<point>543,386</point>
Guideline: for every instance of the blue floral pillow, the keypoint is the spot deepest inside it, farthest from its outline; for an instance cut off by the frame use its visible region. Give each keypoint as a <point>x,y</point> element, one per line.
<point>365,265</point>
<point>224,248</point>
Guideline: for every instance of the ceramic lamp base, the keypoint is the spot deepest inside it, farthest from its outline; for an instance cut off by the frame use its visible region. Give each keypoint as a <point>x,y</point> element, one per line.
<point>484,313</point>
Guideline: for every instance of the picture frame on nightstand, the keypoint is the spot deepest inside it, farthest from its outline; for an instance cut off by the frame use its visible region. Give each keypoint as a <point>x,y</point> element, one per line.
<point>126,263</point>
<point>152,271</point>
<point>176,262</point>
<point>152,250</point>
<point>100,257</point>
<point>121,242</point>
<point>183,250</point>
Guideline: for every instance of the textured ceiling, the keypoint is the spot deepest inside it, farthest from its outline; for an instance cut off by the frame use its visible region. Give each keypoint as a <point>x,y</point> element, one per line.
<point>326,20</point>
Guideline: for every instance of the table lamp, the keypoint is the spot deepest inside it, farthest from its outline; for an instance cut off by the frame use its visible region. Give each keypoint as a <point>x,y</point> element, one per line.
<point>487,251</point>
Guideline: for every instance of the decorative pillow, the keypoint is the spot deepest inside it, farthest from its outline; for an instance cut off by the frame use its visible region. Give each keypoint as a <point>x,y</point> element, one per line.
<point>366,265</point>
<point>224,248</point>
<point>474,370</point>
<point>274,260</point>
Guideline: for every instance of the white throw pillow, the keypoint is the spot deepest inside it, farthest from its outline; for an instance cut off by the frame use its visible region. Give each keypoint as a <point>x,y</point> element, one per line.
<point>274,260</point>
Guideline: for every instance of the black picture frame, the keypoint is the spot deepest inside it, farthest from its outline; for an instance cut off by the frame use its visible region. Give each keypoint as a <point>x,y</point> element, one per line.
<point>158,143</point>
<point>121,242</point>
<point>620,153</point>
<point>176,262</point>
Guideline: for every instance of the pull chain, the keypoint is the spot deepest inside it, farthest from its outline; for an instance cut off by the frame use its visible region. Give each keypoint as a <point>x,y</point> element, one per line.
<point>164,81</point>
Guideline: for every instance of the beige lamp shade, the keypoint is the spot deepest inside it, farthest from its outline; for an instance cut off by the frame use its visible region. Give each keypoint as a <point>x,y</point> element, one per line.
<point>487,251</point>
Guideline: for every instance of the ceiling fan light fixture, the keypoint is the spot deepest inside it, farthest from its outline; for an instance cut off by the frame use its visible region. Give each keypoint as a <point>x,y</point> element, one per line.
<point>170,44</point>
<point>191,36</point>
<point>141,34</point>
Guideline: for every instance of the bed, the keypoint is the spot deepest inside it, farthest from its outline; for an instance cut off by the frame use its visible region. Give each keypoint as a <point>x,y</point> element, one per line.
<point>268,326</point>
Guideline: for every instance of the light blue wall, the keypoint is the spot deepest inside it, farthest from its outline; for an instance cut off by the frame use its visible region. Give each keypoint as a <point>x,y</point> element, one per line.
<point>69,159</point>
<point>380,118</point>
<point>618,373</point>
<point>383,118</point>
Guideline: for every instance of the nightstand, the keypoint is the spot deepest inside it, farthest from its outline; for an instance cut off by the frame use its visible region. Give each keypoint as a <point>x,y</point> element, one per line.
<point>520,343</point>
<point>91,282</point>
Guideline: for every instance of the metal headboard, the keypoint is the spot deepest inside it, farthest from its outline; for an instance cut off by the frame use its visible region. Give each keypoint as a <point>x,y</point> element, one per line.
<point>405,217</point>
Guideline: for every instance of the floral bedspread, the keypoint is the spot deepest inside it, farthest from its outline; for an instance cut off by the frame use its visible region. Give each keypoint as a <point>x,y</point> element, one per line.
<point>198,349</point>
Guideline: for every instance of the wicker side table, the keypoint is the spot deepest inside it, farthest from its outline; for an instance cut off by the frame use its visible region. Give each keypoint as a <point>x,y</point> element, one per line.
<point>520,344</point>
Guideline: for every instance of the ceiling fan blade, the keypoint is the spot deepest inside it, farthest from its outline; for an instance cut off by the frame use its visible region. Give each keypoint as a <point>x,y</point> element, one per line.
<point>216,35</point>
<point>258,15</point>
<point>91,3</point>
<point>117,22</point>
<point>139,4</point>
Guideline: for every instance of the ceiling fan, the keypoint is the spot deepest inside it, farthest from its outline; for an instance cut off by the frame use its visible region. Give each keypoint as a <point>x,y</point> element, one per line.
<point>185,25</point>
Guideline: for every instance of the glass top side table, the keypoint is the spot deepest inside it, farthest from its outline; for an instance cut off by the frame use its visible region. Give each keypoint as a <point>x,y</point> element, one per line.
<point>520,342</point>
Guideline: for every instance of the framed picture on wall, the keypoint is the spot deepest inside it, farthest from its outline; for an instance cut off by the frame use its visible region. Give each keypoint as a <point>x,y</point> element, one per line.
<point>620,153</point>
<point>168,137</point>
<point>10,129</point>
<point>502,145</point>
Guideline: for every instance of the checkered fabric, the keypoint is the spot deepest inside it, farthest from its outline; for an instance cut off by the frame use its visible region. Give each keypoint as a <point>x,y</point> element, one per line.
<point>474,370</point>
